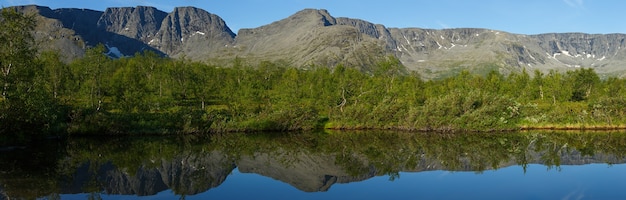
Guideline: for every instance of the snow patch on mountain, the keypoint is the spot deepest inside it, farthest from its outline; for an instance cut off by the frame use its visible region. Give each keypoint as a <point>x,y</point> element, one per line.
<point>114,52</point>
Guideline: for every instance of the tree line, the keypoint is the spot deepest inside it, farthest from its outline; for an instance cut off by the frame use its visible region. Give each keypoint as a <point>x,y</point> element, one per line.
<point>150,94</point>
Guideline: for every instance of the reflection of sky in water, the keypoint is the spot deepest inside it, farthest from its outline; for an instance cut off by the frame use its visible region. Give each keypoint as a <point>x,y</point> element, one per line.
<point>592,181</point>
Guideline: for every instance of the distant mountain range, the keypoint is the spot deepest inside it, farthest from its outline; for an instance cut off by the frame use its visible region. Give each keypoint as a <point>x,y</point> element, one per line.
<point>314,37</point>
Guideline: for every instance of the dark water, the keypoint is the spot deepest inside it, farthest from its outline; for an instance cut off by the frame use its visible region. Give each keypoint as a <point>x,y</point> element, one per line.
<point>335,165</point>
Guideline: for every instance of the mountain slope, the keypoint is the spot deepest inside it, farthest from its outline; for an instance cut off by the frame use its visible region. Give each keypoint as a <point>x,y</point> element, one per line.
<point>309,37</point>
<point>314,37</point>
<point>428,50</point>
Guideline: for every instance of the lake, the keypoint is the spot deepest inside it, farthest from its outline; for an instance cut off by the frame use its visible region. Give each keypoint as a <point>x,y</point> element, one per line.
<point>321,165</point>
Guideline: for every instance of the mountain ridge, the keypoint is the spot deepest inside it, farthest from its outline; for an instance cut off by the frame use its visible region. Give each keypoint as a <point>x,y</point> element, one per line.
<point>315,37</point>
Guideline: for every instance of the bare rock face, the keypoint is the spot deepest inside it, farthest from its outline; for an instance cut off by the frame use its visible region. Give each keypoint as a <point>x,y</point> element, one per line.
<point>83,22</point>
<point>140,23</point>
<point>185,31</point>
<point>603,52</point>
<point>377,31</point>
<point>193,32</point>
<point>581,43</point>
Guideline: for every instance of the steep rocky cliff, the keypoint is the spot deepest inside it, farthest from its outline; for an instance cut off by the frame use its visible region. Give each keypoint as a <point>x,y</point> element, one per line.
<point>192,32</point>
<point>141,23</point>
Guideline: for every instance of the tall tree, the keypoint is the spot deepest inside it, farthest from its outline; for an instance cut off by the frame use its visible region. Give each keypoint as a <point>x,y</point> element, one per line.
<point>129,86</point>
<point>556,87</point>
<point>56,72</point>
<point>92,72</point>
<point>17,52</point>
<point>537,91</point>
<point>584,81</point>
<point>26,107</point>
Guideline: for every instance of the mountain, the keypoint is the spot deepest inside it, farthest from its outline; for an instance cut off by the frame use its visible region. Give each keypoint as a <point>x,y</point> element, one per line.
<point>125,31</point>
<point>314,37</point>
<point>308,37</point>
<point>193,32</point>
<point>449,50</point>
<point>185,174</point>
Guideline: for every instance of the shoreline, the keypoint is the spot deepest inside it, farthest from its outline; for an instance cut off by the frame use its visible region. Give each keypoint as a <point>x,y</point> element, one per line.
<point>519,128</point>
<point>577,127</point>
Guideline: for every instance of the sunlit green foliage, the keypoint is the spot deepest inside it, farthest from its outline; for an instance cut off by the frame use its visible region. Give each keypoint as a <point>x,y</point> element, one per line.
<point>153,95</point>
<point>29,107</point>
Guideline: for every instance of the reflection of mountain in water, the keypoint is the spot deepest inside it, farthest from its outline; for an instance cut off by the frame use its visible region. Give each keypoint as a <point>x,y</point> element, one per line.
<point>312,173</point>
<point>307,172</point>
<point>184,174</point>
<point>310,162</point>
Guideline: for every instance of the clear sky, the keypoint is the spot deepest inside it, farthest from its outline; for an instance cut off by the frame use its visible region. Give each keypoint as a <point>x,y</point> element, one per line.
<point>515,16</point>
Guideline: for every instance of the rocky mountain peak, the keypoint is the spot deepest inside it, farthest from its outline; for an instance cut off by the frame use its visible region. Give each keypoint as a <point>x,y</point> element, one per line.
<point>327,18</point>
<point>319,17</point>
<point>190,19</point>
<point>192,31</point>
<point>139,23</point>
<point>304,19</point>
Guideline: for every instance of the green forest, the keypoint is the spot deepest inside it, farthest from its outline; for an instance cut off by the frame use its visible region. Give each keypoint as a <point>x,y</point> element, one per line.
<point>148,94</point>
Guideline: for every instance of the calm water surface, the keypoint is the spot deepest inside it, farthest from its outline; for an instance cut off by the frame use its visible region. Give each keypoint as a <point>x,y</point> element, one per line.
<point>335,165</point>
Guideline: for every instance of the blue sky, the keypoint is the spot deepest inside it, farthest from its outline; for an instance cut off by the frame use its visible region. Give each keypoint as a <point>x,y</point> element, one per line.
<point>515,16</point>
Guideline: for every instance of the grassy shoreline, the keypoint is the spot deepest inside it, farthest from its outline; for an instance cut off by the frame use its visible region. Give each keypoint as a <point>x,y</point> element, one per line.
<point>555,127</point>
<point>575,127</point>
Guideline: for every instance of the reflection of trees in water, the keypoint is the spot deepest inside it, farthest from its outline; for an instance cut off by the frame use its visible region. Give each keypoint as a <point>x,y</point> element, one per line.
<point>146,167</point>
<point>307,161</point>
